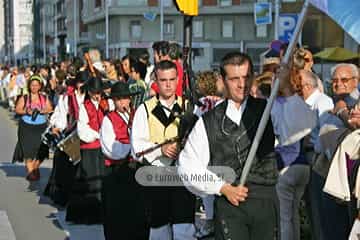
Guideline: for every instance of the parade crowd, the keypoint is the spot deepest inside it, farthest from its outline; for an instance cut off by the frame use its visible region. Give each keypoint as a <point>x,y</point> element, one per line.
<point>104,119</point>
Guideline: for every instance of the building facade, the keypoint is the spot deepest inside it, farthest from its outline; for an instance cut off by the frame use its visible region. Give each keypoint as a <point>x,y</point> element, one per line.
<point>77,31</point>
<point>2,32</point>
<point>19,17</point>
<point>222,26</point>
<point>46,38</point>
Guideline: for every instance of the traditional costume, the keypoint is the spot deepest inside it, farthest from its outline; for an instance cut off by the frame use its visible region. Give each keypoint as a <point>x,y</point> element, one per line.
<point>223,137</point>
<point>171,209</point>
<point>122,197</point>
<point>84,205</point>
<point>64,118</point>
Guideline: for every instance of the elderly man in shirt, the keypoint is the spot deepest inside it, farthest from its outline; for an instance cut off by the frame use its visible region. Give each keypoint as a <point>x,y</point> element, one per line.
<point>346,95</point>
<point>345,78</point>
<point>321,104</point>
<point>223,137</point>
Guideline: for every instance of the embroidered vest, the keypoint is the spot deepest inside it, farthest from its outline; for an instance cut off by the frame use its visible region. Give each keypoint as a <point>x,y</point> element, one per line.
<point>230,144</point>
<point>121,134</point>
<point>95,120</point>
<point>162,127</point>
<point>73,104</point>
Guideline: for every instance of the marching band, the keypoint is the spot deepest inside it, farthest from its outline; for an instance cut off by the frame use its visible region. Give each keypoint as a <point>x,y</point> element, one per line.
<point>103,127</point>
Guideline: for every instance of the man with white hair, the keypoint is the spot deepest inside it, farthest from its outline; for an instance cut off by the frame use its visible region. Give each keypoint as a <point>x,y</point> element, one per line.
<point>345,78</point>
<point>336,214</point>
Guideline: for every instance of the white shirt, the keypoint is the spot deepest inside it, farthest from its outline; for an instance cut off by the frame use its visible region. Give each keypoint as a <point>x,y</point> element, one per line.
<point>59,118</point>
<point>140,137</point>
<point>109,145</point>
<point>321,104</point>
<point>85,132</point>
<point>195,157</point>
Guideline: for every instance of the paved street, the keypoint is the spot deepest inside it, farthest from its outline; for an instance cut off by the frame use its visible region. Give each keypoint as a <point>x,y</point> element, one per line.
<point>25,214</point>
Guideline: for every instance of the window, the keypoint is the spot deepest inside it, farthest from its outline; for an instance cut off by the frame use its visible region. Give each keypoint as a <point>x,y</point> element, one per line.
<point>135,29</point>
<point>219,53</point>
<point>98,3</point>
<point>169,28</point>
<point>135,51</point>
<point>167,3</point>
<point>198,29</point>
<point>227,28</point>
<point>225,3</point>
<point>198,52</point>
<point>254,53</point>
<point>320,32</point>
<point>127,3</point>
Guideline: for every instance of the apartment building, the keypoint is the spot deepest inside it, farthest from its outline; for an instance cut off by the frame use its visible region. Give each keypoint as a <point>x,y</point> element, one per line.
<point>77,31</point>
<point>18,15</point>
<point>2,31</point>
<point>222,26</point>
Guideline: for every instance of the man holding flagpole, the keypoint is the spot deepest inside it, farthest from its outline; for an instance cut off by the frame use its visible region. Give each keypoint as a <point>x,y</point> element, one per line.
<point>222,137</point>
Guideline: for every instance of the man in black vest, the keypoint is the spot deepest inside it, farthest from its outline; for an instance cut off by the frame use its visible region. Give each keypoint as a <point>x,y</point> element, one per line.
<point>223,137</point>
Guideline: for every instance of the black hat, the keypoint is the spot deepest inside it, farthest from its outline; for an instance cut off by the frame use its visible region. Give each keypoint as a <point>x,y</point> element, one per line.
<point>107,84</point>
<point>81,76</point>
<point>122,89</point>
<point>94,84</point>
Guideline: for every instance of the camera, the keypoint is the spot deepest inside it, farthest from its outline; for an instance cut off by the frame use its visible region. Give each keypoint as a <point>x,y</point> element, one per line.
<point>34,114</point>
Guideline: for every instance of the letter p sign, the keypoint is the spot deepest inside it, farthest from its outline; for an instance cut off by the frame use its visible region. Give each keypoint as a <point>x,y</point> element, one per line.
<point>287,24</point>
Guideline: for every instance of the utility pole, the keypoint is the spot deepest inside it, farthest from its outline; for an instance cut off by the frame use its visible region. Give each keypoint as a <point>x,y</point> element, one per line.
<point>44,33</point>
<point>56,34</point>
<point>107,28</point>
<point>161,20</point>
<point>75,29</point>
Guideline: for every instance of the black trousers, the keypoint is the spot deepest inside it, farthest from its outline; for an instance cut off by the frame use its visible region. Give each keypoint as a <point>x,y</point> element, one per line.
<point>170,205</point>
<point>123,204</point>
<point>254,219</point>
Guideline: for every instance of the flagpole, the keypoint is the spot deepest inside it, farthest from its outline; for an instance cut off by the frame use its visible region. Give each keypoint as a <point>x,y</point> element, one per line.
<point>274,91</point>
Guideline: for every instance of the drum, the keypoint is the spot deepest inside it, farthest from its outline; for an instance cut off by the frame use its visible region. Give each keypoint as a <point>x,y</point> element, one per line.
<point>50,139</point>
<point>71,146</point>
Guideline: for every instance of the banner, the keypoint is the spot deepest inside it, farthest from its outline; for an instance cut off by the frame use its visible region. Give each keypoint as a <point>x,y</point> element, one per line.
<point>345,12</point>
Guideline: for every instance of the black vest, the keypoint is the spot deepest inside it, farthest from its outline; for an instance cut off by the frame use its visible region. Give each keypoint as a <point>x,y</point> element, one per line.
<point>230,144</point>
